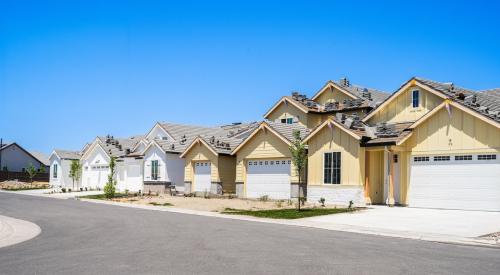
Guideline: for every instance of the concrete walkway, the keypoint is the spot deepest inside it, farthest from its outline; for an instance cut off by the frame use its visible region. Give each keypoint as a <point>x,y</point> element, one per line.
<point>411,223</point>
<point>13,231</point>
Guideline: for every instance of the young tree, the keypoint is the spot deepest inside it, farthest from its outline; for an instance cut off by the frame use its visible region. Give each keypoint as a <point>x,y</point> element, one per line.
<point>299,159</point>
<point>75,171</point>
<point>109,188</point>
<point>31,170</point>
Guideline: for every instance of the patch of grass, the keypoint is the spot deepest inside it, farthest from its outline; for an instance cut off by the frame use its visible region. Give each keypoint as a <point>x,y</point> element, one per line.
<point>161,204</point>
<point>102,196</point>
<point>287,213</point>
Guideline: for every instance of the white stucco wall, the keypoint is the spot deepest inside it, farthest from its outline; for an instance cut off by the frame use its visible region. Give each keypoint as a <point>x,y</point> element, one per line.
<point>129,175</point>
<point>155,153</point>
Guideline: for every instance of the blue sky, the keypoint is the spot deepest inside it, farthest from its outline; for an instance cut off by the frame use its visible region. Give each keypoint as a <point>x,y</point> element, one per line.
<point>71,71</point>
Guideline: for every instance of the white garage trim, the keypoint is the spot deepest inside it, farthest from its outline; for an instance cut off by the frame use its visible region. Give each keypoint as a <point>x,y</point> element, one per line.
<point>461,181</point>
<point>202,176</point>
<point>270,178</point>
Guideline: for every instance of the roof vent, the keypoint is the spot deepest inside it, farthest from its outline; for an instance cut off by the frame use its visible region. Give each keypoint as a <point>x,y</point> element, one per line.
<point>172,147</point>
<point>127,151</point>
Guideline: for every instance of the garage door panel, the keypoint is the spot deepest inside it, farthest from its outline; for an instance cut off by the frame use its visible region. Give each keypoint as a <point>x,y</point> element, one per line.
<point>202,177</point>
<point>472,184</point>
<point>271,178</point>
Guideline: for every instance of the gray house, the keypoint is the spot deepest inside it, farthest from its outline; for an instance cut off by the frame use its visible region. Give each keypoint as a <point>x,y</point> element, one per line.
<point>14,158</point>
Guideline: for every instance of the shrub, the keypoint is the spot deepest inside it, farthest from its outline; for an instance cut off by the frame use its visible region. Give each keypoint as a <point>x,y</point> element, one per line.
<point>264,198</point>
<point>322,201</point>
<point>69,190</point>
<point>81,189</point>
<point>279,204</point>
<point>351,203</point>
<point>86,189</point>
<point>63,190</point>
<point>126,192</point>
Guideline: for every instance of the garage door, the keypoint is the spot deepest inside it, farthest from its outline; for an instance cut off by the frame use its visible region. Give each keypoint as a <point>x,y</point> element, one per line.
<point>469,182</point>
<point>202,177</point>
<point>268,177</point>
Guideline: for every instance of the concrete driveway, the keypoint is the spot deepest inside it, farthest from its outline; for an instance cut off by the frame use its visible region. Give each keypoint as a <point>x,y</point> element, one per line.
<point>416,221</point>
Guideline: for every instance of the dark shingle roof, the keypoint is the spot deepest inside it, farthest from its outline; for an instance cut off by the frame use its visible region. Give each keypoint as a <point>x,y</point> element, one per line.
<point>119,147</point>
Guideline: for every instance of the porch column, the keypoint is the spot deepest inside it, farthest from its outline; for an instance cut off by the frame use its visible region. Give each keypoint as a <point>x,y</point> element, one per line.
<point>390,197</point>
<point>368,200</point>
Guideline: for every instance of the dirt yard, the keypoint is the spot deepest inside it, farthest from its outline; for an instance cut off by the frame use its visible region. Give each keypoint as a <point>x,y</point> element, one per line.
<point>211,204</point>
<point>20,185</point>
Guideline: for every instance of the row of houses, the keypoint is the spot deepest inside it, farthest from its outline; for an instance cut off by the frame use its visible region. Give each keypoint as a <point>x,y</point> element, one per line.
<point>428,144</point>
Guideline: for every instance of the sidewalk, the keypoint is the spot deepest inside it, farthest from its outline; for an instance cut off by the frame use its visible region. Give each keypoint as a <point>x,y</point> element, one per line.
<point>13,231</point>
<point>340,222</point>
<point>45,193</point>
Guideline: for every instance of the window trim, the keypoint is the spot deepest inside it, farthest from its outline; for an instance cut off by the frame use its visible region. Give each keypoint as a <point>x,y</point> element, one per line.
<point>417,92</point>
<point>54,170</point>
<point>340,168</point>
<point>154,169</point>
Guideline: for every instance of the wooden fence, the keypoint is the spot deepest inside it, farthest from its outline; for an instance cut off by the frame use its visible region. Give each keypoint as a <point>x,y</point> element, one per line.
<point>23,176</point>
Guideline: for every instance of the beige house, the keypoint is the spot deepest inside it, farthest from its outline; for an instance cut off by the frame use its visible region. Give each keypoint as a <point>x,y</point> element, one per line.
<point>263,162</point>
<point>430,144</point>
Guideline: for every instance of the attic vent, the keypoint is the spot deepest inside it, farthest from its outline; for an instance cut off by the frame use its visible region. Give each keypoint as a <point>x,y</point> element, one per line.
<point>345,82</point>
<point>127,151</point>
<point>172,147</point>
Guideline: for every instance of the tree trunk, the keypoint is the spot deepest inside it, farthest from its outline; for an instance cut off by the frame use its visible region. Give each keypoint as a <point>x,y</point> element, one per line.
<point>298,194</point>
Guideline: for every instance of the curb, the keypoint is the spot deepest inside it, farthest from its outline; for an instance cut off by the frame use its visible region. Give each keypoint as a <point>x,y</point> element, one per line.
<point>447,239</point>
<point>14,231</point>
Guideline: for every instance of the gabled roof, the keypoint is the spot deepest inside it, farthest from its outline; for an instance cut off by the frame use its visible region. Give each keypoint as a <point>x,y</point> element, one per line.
<point>287,100</point>
<point>40,157</point>
<point>283,131</point>
<point>65,154</point>
<point>354,91</point>
<point>484,104</point>
<point>329,123</point>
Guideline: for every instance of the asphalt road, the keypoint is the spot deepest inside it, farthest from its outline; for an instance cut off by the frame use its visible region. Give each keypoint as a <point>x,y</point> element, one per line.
<point>86,238</point>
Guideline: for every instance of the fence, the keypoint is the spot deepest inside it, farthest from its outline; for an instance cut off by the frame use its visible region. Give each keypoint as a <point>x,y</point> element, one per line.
<point>23,176</point>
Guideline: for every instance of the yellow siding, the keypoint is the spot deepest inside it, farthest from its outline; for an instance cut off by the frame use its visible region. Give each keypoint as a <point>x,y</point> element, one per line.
<point>287,111</point>
<point>352,156</point>
<point>332,96</point>
<point>400,109</point>
<point>314,120</point>
<point>460,133</point>
<point>227,172</point>
<point>264,145</point>
<point>200,152</point>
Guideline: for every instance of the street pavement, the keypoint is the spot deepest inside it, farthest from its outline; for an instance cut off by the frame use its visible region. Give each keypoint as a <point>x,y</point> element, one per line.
<point>85,238</point>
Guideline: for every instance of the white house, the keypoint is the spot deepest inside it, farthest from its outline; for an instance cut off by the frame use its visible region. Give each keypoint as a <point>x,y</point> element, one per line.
<point>163,165</point>
<point>96,158</point>
<point>60,166</point>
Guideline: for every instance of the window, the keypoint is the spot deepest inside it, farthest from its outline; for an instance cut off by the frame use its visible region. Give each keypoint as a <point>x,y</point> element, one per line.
<point>283,120</point>
<point>331,168</point>
<point>468,157</point>
<point>486,157</point>
<point>442,158</point>
<point>54,171</point>
<point>154,169</point>
<point>415,98</point>
<point>289,120</point>
<point>395,158</point>
<point>420,159</point>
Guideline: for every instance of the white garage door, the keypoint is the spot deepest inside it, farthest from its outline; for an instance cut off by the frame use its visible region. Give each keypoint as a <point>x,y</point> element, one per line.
<point>268,177</point>
<point>202,177</point>
<point>469,182</point>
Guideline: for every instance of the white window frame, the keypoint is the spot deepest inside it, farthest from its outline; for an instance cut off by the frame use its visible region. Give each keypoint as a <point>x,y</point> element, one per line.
<point>155,173</point>
<point>340,169</point>
<point>55,168</point>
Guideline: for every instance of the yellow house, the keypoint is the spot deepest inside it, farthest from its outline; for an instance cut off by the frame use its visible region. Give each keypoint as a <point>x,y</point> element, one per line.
<point>430,144</point>
<point>333,97</point>
<point>263,162</point>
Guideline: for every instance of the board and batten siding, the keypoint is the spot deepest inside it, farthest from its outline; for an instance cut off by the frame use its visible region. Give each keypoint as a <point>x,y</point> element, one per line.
<point>331,95</point>
<point>460,133</point>
<point>352,167</point>
<point>200,152</point>
<point>400,109</point>
<point>264,145</point>
<point>286,111</point>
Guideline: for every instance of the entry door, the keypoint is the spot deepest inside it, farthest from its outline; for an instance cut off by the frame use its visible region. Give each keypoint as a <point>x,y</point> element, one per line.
<point>202,176</point>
